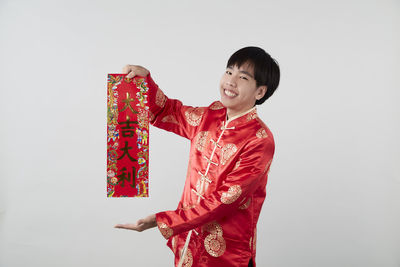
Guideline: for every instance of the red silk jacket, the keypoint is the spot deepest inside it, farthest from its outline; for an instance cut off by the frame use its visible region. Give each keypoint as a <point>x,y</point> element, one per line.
<point>215,222</point>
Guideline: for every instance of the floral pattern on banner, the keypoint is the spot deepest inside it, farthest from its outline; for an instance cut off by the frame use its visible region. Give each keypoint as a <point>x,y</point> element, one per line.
<point>127,136</point>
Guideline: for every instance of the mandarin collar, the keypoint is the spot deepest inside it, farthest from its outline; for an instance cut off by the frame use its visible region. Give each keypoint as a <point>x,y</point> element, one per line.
<point>243,117</point>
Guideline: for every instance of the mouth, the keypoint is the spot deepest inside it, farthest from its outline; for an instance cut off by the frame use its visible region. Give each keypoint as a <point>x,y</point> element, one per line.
<point>230,93</point>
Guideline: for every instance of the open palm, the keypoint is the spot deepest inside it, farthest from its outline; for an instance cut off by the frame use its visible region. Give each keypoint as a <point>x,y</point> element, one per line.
<point>140,225</point>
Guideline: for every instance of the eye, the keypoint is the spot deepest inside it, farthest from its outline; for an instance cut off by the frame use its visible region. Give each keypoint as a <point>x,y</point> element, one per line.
<point>228,72</point>
<point>243,77</point>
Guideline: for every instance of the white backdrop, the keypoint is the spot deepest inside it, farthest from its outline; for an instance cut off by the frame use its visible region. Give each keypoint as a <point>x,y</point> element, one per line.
<point>333,190</point>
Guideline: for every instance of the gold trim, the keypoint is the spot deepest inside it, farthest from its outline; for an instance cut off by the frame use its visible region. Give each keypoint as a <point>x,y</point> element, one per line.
<point>237,164</point>
<point>213,228</point>
<point>242,114</point>
<point>232,195</point>
<point>216,105</point>
<point>215,245</point>
<point>160,98</point>
<point>170,119</point>
<point>188,259</point>
<point>227,152</point>
<point>261,133</point>
<point>194,115</point>
<point>201,140</point>
<point>165,230</point>
<point>267,167</point>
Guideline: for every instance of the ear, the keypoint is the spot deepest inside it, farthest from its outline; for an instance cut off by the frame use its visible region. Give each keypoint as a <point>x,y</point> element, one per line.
<point>261,90</point>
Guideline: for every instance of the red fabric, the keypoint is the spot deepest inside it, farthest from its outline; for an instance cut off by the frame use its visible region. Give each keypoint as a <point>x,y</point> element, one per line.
<point>127,137</point>
<point>223,207</point>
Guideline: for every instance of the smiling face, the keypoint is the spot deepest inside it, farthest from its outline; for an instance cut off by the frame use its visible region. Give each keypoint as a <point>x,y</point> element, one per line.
<point>238,89</point>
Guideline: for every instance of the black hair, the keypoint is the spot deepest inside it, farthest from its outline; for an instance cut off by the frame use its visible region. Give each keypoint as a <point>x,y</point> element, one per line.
<point>266,69</point>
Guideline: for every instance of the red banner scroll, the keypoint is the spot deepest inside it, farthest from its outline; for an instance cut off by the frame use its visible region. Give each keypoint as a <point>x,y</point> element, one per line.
<point>127,137</point>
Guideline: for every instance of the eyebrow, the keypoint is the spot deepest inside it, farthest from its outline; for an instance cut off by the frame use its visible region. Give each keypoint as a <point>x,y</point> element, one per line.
<point>242,71</point>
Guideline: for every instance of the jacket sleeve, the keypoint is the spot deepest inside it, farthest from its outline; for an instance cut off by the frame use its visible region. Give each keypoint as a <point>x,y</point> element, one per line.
<point>240,183</point>
<point>171,114</point>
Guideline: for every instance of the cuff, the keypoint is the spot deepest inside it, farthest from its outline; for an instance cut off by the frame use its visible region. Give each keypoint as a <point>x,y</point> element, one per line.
<point>156,98</point>
<point>165,230</point>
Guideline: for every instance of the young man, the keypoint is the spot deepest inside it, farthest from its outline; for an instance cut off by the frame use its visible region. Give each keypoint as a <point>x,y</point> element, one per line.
<point>230,156</point>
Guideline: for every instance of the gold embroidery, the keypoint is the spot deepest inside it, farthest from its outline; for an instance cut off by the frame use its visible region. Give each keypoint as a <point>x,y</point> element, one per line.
<point>261,133</point>
<point>212,228</point>
<point>188,260</point>
<point>160,98</point>
<point>151,116</point>
<point>237,164</point>
<point>245,205</point>
<point>267,166</point>
<point>186,206</point>
<point>165,230</point>
<point>227,152</point>
<point>215,245</point>
<point>233,193</point>
<point>251,115</point>
<point>170,119</point>
<point>194,115</point>
<point>216,105</point>
<point>201,140</point>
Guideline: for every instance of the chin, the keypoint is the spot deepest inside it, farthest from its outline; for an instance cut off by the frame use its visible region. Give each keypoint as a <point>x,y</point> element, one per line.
<point>222,100</point>
<point>225,103</point>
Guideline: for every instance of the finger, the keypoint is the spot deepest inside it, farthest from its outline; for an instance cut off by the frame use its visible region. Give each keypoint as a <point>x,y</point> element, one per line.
<point>130,75</point>
<point>126,69</point>
<point>126,226</point>
<point>120,225</point>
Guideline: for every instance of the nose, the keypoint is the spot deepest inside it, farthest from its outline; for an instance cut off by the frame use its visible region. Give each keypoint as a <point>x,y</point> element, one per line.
<point>231,81</point>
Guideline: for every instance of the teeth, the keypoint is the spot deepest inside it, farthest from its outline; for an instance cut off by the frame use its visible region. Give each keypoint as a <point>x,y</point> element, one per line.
<point>229,93</point>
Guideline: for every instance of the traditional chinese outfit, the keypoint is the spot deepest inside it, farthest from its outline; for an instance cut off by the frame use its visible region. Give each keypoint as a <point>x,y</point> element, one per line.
<point>215,222</point>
